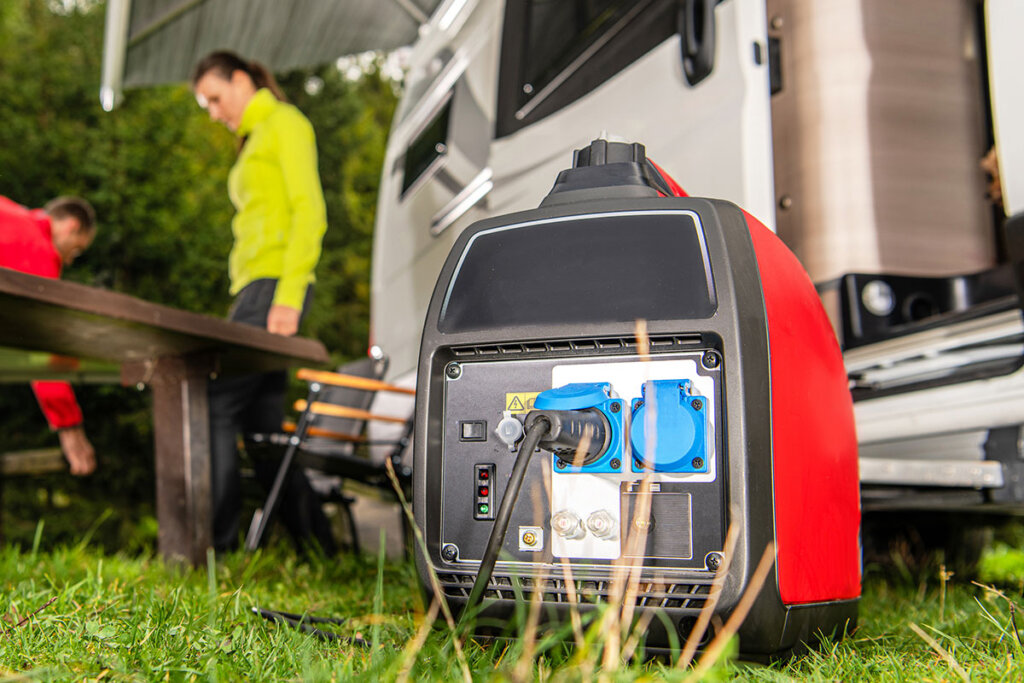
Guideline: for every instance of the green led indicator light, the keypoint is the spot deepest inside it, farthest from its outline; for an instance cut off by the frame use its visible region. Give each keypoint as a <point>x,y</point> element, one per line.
<point>484,508</point>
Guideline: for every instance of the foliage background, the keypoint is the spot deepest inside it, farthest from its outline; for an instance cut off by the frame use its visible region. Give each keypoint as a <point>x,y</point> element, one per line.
<point>156,169</point>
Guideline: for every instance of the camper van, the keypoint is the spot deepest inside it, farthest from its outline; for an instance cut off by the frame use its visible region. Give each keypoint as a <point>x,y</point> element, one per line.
<point>856,129</point>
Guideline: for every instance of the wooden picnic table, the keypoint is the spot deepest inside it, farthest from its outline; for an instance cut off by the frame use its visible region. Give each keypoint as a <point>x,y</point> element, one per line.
<point>173,352</point>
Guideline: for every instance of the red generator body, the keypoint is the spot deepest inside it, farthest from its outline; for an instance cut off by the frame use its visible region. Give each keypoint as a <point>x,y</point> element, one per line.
<point>560,440</point>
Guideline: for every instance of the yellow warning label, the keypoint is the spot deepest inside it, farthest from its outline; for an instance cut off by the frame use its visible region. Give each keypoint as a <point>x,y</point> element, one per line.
<point>521,402</point>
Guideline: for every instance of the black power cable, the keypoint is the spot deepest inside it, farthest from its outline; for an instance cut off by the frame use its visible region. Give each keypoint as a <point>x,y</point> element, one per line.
<point>536,431</point>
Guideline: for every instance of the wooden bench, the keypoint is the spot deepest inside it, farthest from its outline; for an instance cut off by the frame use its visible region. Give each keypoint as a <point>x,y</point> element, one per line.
<point>33,462</point>
<point>171,351</point>
<point>28,464</point>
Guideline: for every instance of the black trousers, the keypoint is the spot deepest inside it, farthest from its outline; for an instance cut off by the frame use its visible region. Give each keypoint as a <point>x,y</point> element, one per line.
<point>249,404</point>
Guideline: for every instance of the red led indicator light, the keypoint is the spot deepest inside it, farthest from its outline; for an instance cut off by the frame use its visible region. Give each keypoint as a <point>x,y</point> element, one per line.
<point>484,474</point>
<point>484,490</point>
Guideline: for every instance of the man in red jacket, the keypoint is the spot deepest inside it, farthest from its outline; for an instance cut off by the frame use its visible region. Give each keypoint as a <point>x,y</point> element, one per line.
<point>40,242</point>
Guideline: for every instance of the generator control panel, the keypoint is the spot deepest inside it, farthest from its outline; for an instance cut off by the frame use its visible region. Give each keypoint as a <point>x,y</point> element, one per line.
<point>650,458</point>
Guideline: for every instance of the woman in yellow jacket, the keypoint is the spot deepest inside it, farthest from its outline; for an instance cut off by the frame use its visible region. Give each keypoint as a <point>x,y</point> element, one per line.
<point>278,227</point>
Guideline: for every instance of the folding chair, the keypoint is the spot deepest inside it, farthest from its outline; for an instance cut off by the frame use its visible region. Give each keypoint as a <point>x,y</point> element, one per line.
<point>328,436</point>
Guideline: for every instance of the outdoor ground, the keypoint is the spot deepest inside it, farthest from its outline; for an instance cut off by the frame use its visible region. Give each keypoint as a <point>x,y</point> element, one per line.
<point>75,614</point>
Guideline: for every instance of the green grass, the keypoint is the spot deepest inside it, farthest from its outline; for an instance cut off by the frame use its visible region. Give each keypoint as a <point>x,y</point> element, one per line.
<point>84,615</point>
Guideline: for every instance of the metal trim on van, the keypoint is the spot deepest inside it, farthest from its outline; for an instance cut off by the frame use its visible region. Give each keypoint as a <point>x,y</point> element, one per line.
<point>466,199</point>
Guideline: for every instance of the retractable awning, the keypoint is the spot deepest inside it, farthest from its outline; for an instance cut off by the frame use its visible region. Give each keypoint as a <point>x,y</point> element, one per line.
<point>149,42</point>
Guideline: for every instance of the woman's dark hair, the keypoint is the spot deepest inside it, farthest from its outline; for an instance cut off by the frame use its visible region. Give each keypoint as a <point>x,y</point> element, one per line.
<point>225,63</point>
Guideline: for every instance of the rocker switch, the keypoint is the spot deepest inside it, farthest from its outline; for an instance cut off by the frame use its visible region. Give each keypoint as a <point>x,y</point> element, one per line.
<point>473,430</point>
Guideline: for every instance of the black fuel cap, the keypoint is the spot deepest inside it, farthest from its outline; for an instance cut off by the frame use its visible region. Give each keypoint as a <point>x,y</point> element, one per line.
<point>606,170</point>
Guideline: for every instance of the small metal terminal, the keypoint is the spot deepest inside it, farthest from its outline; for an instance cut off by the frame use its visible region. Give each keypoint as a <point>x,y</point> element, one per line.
<point>450,552</point>
<point>643,525</point>
<point>710,360</point>
<point>603,525</point>
<point>567,524</point>
<point>453,371</point>
<point>531,539</point>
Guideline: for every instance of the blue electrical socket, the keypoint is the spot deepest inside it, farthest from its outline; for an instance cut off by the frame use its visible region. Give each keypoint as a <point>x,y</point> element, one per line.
<point>680,428</point>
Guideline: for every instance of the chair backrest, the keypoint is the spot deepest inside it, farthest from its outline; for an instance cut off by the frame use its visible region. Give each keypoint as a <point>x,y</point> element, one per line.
<point>345,396</point>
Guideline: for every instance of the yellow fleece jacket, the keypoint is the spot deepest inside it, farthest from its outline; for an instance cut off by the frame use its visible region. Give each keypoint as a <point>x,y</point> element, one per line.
<point>280,216</point>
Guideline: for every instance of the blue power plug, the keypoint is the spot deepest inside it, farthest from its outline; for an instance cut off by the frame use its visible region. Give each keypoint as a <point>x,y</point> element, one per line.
<point>582,397</point>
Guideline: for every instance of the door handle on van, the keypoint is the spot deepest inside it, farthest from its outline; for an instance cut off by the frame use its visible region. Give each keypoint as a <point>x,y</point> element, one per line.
<point>475,190</point>
<point>696,21</point>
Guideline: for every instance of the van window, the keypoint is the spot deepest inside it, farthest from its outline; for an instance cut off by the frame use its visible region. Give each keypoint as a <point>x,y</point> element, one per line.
<point>428,147</point>
<point>556,51</point>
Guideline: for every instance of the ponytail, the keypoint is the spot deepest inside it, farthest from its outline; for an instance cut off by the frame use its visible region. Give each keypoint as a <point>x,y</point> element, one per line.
<point>262,78</point>
<point>225,63</point>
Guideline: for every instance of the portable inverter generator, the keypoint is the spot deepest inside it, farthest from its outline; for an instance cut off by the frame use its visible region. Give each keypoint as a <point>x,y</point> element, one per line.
<point>551,428</point>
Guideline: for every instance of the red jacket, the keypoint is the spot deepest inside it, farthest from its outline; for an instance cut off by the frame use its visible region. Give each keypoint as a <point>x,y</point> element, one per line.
<point>26,245</point>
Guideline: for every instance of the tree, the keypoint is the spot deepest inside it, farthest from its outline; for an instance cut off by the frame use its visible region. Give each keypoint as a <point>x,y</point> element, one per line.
<point>156,171</point>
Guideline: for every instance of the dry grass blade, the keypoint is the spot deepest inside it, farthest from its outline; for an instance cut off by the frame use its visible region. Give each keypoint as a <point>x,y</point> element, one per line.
<point>754,586</point>
<point>26,619</point>
<point>633,641</point>
<point>700,627</point>
<point>529,637</point>
<point>643,341</point>
<point>574,604</point>
<point>1011,605</point>
<point>941,651</point>
<point>944,577</point>
<point>992,589</point>
<point>626,575</point>
<point>416,644</point>
<point>434,583</point>
<point>636,543</point>
<point>611,620</point>
<point>581,450</point>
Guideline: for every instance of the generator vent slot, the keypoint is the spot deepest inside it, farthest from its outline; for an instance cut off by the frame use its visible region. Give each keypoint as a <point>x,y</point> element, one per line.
<point>572,347</point>
<point>690,595</point>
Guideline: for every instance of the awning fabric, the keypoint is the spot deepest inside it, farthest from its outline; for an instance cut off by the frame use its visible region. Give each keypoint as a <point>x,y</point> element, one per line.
<point>149,42</point>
